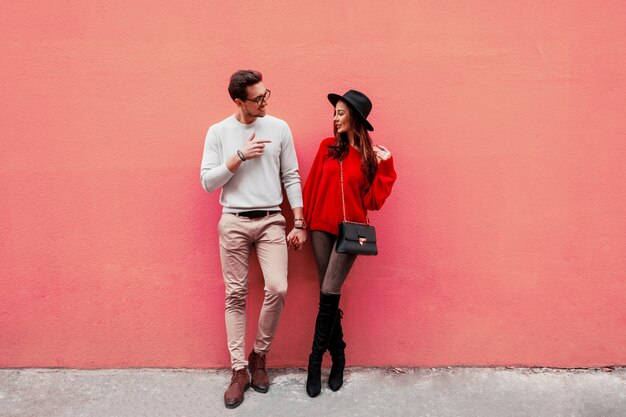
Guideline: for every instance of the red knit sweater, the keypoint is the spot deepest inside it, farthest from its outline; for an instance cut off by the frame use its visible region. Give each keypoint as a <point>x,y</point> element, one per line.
<point>322,191</point>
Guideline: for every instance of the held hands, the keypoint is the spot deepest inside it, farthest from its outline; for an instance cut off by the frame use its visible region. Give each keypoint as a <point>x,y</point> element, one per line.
<point>296,239</point>
<point>253,148</point>
<point>382,153</point>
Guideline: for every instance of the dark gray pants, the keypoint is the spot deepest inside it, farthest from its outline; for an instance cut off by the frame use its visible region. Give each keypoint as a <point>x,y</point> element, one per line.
<point>332,267</point>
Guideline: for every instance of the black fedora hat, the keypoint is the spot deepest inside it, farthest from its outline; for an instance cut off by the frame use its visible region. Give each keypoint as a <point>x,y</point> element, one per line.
<point>358,102</point>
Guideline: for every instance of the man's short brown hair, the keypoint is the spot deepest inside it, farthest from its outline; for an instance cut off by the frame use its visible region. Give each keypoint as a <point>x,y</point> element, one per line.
<point>240,80</point>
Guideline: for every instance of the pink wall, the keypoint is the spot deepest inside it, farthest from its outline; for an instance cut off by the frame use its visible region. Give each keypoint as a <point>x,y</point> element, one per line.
<point>503,243</point>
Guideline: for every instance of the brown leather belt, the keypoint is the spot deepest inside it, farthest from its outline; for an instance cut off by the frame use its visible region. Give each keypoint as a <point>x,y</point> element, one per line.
<point>255,214</point>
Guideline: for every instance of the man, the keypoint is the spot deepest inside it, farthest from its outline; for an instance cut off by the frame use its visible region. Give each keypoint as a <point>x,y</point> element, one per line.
<point>249,155</point>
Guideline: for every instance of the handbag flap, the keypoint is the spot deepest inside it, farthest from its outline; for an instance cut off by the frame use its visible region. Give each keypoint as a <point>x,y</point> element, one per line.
<point>354,231</point>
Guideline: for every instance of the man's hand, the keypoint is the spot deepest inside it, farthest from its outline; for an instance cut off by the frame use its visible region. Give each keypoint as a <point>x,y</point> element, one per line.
<point>254,148</point>
<point>296,239</point>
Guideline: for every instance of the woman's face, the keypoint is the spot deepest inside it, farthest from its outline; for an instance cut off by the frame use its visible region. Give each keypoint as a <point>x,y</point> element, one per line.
<point>342,120</point>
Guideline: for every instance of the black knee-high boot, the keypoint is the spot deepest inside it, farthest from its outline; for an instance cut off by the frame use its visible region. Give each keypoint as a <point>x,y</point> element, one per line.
<point>326,316</point>
<point>337,347</point>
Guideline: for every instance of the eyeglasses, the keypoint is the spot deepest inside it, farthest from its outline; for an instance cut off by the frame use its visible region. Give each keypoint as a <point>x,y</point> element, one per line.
<point>259,100</point>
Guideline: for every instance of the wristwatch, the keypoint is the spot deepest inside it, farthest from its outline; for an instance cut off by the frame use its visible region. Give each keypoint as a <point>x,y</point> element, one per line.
<point>299,224</point>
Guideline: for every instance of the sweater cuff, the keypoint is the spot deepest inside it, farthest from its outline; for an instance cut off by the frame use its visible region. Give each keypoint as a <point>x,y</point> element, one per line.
<point>386,167</point>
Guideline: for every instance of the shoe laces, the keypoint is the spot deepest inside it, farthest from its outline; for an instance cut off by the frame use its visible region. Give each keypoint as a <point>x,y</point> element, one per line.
<point>238,376</point>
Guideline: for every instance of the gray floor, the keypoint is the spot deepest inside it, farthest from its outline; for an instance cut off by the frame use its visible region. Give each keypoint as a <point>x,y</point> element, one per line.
<point>475,392</point>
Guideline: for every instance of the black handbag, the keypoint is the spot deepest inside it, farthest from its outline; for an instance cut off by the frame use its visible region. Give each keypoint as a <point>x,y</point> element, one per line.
<point>354,238</point>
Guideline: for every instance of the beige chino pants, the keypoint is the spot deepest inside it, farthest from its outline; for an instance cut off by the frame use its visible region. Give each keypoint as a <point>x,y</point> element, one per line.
<point>237,237</point>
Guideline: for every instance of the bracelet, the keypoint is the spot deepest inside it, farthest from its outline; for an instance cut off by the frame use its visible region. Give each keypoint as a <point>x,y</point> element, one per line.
<point>240,154</point>
<point>299,228</point>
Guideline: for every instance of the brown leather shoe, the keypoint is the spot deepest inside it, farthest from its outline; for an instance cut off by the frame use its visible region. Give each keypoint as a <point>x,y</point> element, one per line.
<point>239,383</point>
<point>260,380</point>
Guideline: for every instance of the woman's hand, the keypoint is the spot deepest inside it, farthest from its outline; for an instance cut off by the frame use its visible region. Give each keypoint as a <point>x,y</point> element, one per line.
<point>382,153</point>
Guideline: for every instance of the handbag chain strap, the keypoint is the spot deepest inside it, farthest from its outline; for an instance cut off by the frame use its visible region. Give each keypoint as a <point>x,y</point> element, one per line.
<point>343,199</point>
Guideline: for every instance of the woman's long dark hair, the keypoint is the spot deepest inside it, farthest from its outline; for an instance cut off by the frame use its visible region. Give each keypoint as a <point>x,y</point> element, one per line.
<point>362,142</point>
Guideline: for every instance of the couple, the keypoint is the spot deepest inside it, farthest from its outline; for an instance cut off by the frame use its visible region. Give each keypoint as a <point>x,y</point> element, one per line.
<point>249,155</point>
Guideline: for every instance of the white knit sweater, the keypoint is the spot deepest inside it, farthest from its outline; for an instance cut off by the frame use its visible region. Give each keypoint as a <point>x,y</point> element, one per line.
<point>256,185</point>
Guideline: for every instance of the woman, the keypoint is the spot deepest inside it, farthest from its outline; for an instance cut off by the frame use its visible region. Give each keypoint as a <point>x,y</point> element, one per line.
<point>368,175</point>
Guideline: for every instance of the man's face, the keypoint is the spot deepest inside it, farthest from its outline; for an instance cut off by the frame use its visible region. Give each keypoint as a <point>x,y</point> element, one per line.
<point>255,93</point>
